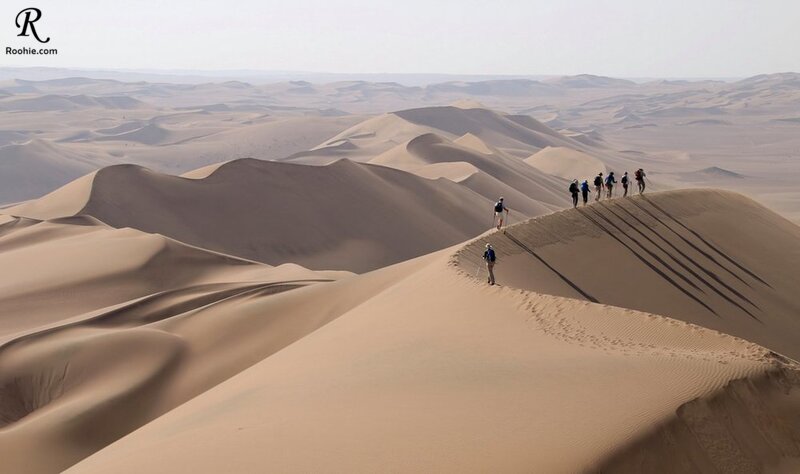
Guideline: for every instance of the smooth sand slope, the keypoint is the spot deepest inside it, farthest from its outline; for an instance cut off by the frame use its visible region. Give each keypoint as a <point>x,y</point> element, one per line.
<point>567,163</point>
<point>438,372</point>
<point>122,327</point>
<point>344,216</point>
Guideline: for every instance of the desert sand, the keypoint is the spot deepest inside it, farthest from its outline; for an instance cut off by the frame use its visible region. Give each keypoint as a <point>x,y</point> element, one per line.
<point>440,372</point>
<point>234,277</point>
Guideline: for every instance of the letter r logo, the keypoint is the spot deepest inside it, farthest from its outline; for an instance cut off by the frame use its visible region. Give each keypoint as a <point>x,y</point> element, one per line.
<point>30,16</point>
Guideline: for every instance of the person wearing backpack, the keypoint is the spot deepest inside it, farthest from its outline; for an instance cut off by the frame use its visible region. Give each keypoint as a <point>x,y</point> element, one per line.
<point>490,257</point>
<point>585,191</point>
<point>573,189</point>
<point>640,179</point>
<point>598,186</point>
<point>624,182</point>
<point>499,208</point>
<point>610,182</point>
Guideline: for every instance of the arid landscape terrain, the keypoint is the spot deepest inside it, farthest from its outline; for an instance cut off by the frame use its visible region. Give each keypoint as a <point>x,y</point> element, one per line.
<point>231,276</point>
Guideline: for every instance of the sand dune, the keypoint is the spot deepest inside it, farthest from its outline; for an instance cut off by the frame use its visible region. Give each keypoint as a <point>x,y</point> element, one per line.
<point>345,216</point>
<point>566,163</point>
<point>481,374</point>
<point>122,327</point>
<point>507,171</point>
<point>35,167</point>
<point>591,81</point>
<point>518,135</point>
<point>712,258</point>
<point>67,103</point>
<point>90,265</point>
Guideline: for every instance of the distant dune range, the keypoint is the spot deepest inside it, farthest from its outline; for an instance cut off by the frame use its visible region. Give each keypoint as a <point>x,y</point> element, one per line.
<point>175,128</point>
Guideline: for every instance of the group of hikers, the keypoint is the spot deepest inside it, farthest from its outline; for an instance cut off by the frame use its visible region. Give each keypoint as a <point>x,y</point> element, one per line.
<point>606,185</point>
<point>601,185</point>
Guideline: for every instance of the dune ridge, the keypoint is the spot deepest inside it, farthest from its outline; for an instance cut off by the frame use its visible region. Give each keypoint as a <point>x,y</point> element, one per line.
<point>653,255</point>
<point>344,216</point>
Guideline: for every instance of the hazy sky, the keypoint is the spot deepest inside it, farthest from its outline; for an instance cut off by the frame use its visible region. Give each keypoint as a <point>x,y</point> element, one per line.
<point>629,38</point>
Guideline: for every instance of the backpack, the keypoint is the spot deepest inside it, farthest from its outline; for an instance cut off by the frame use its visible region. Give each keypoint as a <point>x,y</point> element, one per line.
<point>573,188</point>
<point>498,207</point>
<point>638,175</point>
<point>584,186</point>
<point>624,180</point>
<point>598,180</point>
<point>489,256</point>
<point>609,180</point>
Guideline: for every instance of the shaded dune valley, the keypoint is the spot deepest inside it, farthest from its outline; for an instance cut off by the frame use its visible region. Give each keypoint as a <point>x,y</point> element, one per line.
<point>263,316</point>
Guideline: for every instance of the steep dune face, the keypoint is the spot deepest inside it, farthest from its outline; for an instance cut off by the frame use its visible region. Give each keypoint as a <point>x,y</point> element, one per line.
<point>712,258</point>
<point>509,172</point>
<point>344,216</point>
<point>483,374</point>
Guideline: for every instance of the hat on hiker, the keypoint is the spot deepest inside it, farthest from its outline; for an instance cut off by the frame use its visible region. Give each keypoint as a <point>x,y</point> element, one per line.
<point>488,245</point>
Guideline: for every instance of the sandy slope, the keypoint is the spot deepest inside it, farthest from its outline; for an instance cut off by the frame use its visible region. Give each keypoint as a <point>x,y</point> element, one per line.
<point>344,216</point>
<point>566,163</point>
<point>90,265</point>
<point>120,328</point>
<point>438,372</point>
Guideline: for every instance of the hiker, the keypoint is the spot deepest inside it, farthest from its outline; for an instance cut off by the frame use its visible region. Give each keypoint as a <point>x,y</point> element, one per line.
<point>598,185</point>
<point>585,191</point>
<point>610,182</point>
<point>624,182</point>
<point>490,257</point>
<point>640,179</point>
<point>499,208</point>
<point>573,189</point>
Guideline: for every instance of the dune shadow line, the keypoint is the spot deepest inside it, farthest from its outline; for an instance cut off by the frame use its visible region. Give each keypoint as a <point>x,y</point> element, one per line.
<point>644,260</point>
<point>686,267</point>
<point>708,244</point>
<point>560,275</point>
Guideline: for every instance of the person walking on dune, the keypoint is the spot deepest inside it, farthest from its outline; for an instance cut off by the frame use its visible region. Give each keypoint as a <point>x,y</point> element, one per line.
<point>624,182</point>
<point>499,208</point>
<point>489,257</point>
<point>573,189</point>
<point>610,182</point>
<point>640,175</point>
<point>585,191</point>
<point>598,186</point>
